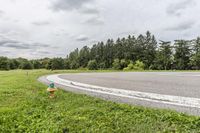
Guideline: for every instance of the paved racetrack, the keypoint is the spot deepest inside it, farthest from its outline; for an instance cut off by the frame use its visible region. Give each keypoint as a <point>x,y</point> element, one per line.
<point>171,90</point>
<point>174,83</point>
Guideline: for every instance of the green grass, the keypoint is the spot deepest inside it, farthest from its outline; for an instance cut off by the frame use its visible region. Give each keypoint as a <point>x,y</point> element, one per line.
<point>25,107</point>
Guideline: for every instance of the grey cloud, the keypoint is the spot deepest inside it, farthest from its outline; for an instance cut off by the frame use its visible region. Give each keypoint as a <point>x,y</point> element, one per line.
<point>44,52</point>
<point>94,21</point>
<point>79,5</point>
<point>5,52</point>
<point>1,12</point>
<point>41,23</point>
<point>40,45</point>
<point>68,4</point>
<point>40,52</point>
<point>4,42</point>
<point>82,38</point>
<point>90,11</point>
<point>8,43</point>
<point>182,26</point>
<point>17,45</point>
<point>177,8</point>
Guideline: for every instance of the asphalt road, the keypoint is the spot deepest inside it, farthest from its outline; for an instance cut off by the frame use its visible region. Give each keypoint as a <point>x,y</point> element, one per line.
<point>170,90</point>
<point>176,83</point>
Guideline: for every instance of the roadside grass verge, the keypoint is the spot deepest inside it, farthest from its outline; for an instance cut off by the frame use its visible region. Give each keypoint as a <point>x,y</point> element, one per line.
<point>25,107</point>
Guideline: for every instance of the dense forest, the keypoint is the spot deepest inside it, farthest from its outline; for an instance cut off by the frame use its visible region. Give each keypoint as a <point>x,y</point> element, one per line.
<point>137,53</point>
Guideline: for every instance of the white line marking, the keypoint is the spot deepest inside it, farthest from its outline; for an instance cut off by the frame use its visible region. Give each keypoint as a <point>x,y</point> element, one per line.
<point>179,75</point>
<point>152,97</point>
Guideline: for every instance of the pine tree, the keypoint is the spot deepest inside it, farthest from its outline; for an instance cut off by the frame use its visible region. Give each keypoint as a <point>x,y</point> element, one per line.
<point>182,54</point>
<point>84,56</point>
<point>164,56</point>
<point>195,59</point>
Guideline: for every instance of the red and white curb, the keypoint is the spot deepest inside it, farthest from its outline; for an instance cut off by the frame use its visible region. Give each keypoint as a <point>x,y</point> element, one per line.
<point>151,97</point>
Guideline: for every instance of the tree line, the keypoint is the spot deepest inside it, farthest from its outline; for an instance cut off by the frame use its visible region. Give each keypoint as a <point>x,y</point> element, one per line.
<point>134,52</point>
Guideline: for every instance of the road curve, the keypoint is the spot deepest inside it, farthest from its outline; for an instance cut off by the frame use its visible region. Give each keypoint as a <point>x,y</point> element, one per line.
<point>170,90</point>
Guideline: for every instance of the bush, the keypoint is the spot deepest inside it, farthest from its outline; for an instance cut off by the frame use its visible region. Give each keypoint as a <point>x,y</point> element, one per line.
<point>124,63</point>
<point>120,64</point>
<point>116,64</point>
<point>129,67</point>
<point>102,65</point>
<point>92,65</point>
<point>137,66</point>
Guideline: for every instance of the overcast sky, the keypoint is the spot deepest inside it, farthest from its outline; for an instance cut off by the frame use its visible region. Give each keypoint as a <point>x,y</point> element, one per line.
<point>48,28</point>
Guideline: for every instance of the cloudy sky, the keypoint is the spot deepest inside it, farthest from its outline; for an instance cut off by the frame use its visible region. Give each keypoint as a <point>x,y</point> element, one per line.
<point>48,28</point>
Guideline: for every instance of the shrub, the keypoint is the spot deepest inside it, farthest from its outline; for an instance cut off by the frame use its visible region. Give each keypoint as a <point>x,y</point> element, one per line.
<point>124,63</point>
<point>102,65</point>
<point>129,67</point>
<point>137,66</point>
<point>116,64</point>
<point>120,64</point>
<point>92,65</point>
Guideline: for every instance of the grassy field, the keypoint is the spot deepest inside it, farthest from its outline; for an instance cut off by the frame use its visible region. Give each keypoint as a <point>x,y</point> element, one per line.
<point>25,107</point>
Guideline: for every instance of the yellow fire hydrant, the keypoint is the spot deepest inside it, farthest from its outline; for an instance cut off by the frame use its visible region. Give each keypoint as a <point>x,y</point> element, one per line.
<point>51,89</point>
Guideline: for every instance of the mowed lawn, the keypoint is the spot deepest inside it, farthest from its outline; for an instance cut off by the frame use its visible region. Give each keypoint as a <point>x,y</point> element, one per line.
<point>25,107</point>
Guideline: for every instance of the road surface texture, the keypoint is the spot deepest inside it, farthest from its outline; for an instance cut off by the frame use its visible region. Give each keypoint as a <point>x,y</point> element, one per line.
<point>170,90</point>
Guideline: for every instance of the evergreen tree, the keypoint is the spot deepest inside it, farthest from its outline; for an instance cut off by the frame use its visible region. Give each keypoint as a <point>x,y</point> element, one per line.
<point>182,54</point>
<point>97,52</point>
<point>149,50</point>
<point>84,56</point>
<point>164,56</point>
<point>140,48</point>
<point>118,50</point>
<point>195,59</point>
<point>73,59</point>
<point>130,53</point>
<point>109,53</point>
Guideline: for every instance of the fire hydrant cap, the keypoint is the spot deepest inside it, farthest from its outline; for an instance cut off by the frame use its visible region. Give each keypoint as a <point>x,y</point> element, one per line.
<point>51,85</point>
